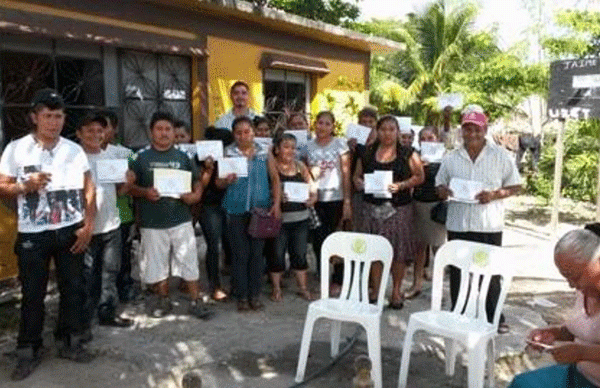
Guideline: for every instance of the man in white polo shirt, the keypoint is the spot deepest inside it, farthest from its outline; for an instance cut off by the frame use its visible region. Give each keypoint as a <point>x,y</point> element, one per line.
<point>491,166</point>
<point>240,97</point>
<point>51,180</point>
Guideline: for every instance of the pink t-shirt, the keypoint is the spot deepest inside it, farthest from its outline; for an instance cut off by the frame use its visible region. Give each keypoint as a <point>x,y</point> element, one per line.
<point>586,330</point>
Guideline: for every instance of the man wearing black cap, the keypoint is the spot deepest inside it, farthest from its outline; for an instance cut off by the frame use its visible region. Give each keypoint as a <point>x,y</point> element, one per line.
<point>50,178</point>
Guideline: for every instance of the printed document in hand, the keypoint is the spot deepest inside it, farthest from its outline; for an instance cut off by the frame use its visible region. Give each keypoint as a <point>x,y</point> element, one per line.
<point>237,166</point>
<point>170,182</point>
<point>264,141</point>
<point>464,190</point>
<point>301,136</point>
<point>358,132</point>
<point>111,170</point>
<point>432,152</point>
<point>455,100</point>
<point>296,191</point>
<point>212,148</point>
<point>378,182</point>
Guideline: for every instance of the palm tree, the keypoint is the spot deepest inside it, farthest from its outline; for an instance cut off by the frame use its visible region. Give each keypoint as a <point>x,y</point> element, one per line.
<point>439,43</point>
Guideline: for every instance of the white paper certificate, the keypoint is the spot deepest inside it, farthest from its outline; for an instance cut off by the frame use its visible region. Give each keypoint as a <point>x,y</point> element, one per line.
<point>111,170</point>
<point>464,190</point>
<point>432,152</point>
<point>296,191</point>
<point>171,182</point>
<point>237,166</point>
<point>358,132</point>
<point>301,136</point>
<point>378,182</point>
<point>264,141</point>
<point>454,100</point>
<point>212,148</point>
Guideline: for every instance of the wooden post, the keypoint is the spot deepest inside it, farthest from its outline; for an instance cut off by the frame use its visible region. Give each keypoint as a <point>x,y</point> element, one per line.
<point>598,194</point>
<point>558,167</point>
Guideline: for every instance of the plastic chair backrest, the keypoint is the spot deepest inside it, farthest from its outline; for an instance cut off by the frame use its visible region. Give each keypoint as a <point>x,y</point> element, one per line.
<point>358,251</point>
<point>478,263</point>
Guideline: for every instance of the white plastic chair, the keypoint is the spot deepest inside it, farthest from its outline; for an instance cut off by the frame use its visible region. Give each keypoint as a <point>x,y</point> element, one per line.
<point>467,324</point>
<point>359,251</point>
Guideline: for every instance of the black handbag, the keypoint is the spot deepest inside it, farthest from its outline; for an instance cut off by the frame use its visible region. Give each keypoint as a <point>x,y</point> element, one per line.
<point>439,212</point>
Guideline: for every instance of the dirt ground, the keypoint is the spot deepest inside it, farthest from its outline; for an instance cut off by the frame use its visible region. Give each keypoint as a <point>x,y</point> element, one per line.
<point>261,349</point>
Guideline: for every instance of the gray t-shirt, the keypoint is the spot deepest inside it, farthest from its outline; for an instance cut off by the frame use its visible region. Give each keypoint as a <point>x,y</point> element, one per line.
<point>327,158</point>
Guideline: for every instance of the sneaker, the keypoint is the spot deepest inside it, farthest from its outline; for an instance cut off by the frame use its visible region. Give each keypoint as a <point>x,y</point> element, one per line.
<point>76,353</point>
<point>27,361</point>
<point>162,308</point>
<point>199,310</point>
<point>116,322</point>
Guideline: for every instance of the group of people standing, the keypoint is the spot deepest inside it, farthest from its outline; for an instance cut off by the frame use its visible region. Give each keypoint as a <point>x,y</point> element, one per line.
<point>90,248</point>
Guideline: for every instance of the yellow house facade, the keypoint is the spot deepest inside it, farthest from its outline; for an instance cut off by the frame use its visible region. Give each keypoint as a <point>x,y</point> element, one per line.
<point>135,57</point>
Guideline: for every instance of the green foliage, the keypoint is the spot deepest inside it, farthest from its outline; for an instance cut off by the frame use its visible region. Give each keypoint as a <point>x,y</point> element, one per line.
<point>583,38</point>
<point>579,179</point>
<point>337,12</point>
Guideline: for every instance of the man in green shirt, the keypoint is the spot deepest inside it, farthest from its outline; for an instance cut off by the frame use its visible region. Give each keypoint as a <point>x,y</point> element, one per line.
<point>168,239</point>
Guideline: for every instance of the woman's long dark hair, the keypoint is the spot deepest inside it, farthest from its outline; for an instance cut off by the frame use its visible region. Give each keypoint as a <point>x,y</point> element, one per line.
<point>369,155</point>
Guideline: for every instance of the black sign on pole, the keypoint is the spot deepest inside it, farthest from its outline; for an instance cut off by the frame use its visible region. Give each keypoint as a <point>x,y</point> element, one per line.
<point>574,89</point>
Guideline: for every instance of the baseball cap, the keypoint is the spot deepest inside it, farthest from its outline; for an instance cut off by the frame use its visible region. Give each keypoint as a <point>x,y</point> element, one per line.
<point>476,118</point>
<point>49,98</point>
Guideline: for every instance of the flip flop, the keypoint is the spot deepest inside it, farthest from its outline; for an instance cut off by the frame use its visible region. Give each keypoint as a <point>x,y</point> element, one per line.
<point>412,294</point>
<point>396,305</point>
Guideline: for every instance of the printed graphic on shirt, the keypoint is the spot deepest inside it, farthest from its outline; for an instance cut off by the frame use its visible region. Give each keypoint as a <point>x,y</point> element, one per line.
<point>49,209</point>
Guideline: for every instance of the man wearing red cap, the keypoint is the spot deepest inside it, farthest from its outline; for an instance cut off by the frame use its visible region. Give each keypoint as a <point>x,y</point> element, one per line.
<point>489,171</point>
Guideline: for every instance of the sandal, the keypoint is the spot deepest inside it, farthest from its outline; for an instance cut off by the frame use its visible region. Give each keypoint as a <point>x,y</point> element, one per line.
<point>305,294</point>
<point>219,295</point>
<point>396,304</point>
<point>412,293</point>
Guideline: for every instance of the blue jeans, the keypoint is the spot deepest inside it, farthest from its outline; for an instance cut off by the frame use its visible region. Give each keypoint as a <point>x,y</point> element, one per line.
<point>102,263</point>
<point>555,376</point>
<point>34,251</point>
<point>247,265</point>
<point>293,237</point>
<point>213,221</point>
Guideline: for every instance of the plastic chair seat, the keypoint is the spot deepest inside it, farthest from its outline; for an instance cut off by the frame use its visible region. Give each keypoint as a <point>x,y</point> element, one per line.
<point>344,310</point>
<point>449,324</point>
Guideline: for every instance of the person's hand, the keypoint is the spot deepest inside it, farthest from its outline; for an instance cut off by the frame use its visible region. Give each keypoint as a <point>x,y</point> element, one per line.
<point>359,184</point>
<point>229,179</point>
<point>485,196</point>
<point>545,336</point>
<point>275,211</point>
<point>312,199</point>
<point>284,197</point>
<point>347,210</point>
<point>190,198</point>
<point>84,236</point>
<point>209,163</point>
<point>569,353</point>
<point>352,142</point>
<point>395,187</point>
<point>443,192</point>
<point>152,194</point>
<point>36,181</point>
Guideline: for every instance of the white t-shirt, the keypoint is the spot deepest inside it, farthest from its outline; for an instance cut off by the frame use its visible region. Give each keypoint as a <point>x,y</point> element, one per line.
<point>327,158</point>
<point>226,120</point>
<point>107,214</point>
<point>61,203</point>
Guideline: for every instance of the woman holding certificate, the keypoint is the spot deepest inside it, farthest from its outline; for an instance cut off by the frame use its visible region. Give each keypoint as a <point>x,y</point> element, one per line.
<point>299,194</point>
<point>388,172</point>
<point>329,161</point>
<point>252,182</point>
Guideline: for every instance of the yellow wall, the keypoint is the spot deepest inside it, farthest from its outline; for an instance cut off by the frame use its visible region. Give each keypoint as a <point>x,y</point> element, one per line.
<point>232,60</point>
<point>8,233</point>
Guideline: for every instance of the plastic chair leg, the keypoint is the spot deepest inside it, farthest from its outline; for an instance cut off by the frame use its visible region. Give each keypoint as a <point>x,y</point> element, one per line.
<point>491,360</point>
<point>336,329</point>
<point>406,349</point>
<point>451,353</point>
<point>304,346</point>
<point>374,346</point>
<point>476,366</point>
